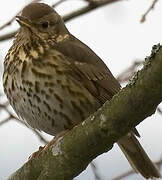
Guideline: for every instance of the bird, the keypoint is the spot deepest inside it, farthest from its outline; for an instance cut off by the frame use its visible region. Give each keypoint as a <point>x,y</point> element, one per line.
<point>54,81</point>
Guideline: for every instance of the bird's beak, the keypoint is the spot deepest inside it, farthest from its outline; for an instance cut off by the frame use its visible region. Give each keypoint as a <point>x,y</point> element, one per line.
<point>23,21</point>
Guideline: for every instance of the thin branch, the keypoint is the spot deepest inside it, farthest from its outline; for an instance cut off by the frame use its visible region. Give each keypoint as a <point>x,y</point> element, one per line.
<point>36,132</point>
<point>94,169</point>
<point>91,1</point>
<point>159,110</point>
<point>130,172</point>
<point>5,121</point>
<point>13,18</point>
<point>70,16</point>
<point>11,116</point>
<point>58,3</point>
<point>8,36</point>
<point>88,8</point>
<point>10,21</point>
<point>143,18</point>
<point>126,174</point>
<point>129,72</point>
<point>41,138</point>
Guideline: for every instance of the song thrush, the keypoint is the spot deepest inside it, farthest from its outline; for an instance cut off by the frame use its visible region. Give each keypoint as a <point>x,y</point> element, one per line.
<point>54,81</point>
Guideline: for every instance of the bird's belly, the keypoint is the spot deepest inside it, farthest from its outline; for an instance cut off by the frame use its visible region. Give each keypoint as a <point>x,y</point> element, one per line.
<point>54,106</point>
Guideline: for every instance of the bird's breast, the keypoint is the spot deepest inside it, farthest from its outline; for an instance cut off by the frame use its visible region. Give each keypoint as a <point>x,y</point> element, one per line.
<point>45,96</point>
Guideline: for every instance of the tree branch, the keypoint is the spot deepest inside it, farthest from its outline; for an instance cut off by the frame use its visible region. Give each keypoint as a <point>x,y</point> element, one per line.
<point>71,154</point>
<point>143,18</point>
<point>89,7</point>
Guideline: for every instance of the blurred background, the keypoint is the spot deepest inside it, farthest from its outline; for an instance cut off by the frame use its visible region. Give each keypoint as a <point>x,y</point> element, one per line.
<point>116,34</point>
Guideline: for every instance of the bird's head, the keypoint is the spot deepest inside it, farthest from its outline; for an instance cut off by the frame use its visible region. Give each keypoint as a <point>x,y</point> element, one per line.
<point>41,20</point>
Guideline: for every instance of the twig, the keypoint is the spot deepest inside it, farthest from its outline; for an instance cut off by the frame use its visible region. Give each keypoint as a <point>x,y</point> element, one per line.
<point>143,18</point>
<point>4,106</point>
<point>5,121</point>
<point>159,110</point>
<point>8,36</point>
<point>91,1</point>
<point>87,8</point>
<point>70,16</point>
<point>94,169</point>
<point>41,138</point>
<point>58,3</point>
<point>129,72</point>
<point>130,172</point>
<point>9,22</point>
<point>13,18</point>
<point>126,174</point>
<point>11,116</point>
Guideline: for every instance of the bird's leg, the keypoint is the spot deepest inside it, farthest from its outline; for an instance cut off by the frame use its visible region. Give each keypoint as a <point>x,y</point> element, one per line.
<point>35,153</point>
<point>44,148</point>
<point>62,133</point>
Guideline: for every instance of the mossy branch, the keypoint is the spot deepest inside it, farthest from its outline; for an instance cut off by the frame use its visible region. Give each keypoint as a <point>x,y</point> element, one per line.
<point>71,154</point>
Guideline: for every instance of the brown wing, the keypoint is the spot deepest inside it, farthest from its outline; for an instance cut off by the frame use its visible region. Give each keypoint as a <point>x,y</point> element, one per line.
<point>86,67</point>
<point>89,69</point>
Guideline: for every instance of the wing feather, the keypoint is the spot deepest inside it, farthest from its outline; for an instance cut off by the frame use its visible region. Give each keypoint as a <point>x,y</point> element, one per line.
<point>89,69</point>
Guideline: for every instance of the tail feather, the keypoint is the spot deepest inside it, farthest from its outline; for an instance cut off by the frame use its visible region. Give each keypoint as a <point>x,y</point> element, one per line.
<point>137,157</point>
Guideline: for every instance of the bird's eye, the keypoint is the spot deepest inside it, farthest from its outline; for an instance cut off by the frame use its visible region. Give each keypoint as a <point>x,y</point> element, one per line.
<point>45,24</point>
